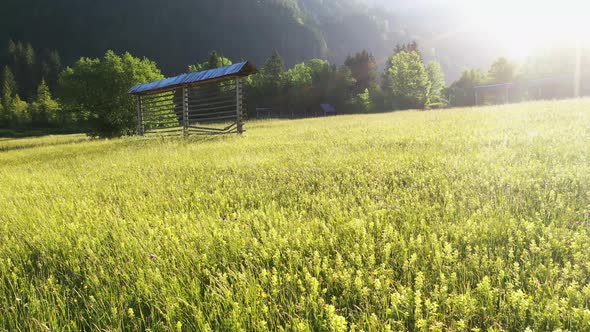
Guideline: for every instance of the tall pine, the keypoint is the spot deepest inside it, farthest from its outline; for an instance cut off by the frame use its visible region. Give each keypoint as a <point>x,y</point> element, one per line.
<point>44,108</point>
<point>274,72</point>
<point>50,68</point>
<point>364,70</point>
<point>9,89</point>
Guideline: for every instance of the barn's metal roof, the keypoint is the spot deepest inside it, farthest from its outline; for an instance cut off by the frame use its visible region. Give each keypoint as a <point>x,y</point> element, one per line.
<point>494,86</point>
<point>531,83</point>
<point>236,70</point>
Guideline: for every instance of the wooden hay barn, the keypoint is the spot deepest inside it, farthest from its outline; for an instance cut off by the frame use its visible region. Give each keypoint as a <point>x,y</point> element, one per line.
<point>207,102</point>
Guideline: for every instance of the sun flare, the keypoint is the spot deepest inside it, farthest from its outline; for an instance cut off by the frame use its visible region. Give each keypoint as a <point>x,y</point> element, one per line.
<point>525,25</point>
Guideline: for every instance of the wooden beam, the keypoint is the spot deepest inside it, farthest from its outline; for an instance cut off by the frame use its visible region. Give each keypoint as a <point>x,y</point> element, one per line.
<point>185,123</point>
<point>140,128</point>
<point>239,115</point>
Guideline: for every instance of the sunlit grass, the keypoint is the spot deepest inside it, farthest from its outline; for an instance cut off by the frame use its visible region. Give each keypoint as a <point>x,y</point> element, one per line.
<point>442,220</point>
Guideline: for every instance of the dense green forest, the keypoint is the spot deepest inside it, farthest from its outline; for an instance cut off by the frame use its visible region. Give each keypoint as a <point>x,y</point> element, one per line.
<point>174,33</point>
<point>90,94</point>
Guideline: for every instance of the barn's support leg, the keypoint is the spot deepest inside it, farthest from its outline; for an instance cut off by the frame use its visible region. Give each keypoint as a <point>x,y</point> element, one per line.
<point>578,71</point>
<point>239,111</point>
<point>185,124</point>
<point>140,126</point>
<point>506,95</point>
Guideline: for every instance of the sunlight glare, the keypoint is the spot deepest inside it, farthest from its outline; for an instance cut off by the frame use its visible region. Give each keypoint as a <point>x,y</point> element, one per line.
<point>520,26</point>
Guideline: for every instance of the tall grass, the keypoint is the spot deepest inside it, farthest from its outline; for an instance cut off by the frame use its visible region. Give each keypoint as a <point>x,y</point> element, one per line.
<point>464,220</point>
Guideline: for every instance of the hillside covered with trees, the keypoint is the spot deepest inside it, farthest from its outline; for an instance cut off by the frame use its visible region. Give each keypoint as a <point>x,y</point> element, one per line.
<point>174,33</point>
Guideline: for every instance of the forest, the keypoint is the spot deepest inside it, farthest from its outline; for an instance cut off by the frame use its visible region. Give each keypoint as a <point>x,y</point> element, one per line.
<point>38,91</point>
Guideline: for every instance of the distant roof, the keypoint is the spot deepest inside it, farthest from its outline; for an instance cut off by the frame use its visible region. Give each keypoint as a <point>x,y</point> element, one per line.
<point>236,70</point>
<point>529,83</point>
<point>494,86</point>
<point>328,108</point>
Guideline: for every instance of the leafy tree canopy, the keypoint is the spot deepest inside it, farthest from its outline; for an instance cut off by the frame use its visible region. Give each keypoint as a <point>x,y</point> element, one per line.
<point>215,61</point>
<point>502,71</point>
<point>409,80</point>
<point>96,89</point>
<point>436,77</point>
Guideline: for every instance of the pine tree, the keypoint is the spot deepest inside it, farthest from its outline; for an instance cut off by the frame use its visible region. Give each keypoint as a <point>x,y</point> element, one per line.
<point>274,72</point>
<point>43,109</point>
<point>9,89</point>
<point>50,68</point>
<point>19,108</point>
<point>274,66</point>
<point>30,72</point>
<point>364,70</point>
<point>409,47</point>
<point>23,63</point>
<point>215,61</point>
<point>1,110</point>
<point>11,46</point>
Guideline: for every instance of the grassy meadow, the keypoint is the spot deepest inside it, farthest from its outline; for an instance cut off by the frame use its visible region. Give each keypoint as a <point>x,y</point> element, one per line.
<point>451,220</point>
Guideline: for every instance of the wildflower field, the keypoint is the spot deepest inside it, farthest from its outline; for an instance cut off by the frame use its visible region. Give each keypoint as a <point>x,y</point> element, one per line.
<point>452,220</point>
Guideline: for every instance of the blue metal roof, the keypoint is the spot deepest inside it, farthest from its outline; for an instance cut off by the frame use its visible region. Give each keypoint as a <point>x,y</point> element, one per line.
<point>531,83</point>
<point>238,69</point>
<point>494,86</point>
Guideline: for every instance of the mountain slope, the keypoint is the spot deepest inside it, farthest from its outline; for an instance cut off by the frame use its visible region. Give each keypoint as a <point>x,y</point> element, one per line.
<point>177,33</point>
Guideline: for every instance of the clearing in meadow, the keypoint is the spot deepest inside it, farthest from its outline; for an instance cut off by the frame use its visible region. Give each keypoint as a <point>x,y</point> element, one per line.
<point>441,220</point>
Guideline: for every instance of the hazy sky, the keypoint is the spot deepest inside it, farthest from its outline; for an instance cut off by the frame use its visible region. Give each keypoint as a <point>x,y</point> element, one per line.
<point>517,26</point>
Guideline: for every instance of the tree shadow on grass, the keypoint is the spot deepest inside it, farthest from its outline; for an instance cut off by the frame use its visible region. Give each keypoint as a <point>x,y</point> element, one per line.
<point>64,140</point>
<point>35,132</point>
<point>23,143</point>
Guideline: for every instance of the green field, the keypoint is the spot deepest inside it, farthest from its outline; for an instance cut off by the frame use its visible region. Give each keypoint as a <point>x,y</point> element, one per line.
<point>453,220</point>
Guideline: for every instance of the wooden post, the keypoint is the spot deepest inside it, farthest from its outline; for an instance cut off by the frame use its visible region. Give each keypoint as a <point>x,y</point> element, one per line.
<point>140,127</point>
<point>506,94</point>
<point>578,70</point>
<point>185,124</point>
<point>239,112</point>
<point>476,98</point>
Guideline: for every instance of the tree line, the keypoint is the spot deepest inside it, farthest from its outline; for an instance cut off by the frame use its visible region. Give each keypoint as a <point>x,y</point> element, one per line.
<point>549,74</point>
<point>356,86</point>
<point>90,95</point>
<point>27,79</point>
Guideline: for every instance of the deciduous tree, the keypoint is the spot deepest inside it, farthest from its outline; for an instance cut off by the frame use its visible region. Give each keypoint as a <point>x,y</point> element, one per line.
<point>435,97</point>
<point>407,81</point>
<point>502,71</point>
<point>96,90</point>
<point>462,92</point>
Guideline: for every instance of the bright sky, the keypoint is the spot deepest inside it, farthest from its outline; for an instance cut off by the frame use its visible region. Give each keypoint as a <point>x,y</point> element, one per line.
<point>521,26</point>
